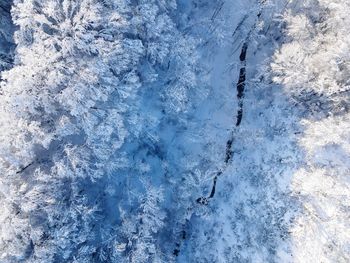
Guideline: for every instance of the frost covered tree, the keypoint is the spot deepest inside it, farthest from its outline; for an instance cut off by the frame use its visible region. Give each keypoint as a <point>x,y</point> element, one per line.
<point>141,232</point>
<point>62,107</point>
<point>313,62</point>
<point>72,111</point>
<point>321,232</point>
<point>313,67</point>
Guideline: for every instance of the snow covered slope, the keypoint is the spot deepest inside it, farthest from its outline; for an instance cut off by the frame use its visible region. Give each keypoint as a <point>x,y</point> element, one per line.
<point>284,197</point>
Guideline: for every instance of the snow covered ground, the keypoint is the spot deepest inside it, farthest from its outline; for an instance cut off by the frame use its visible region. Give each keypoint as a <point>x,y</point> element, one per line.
<point>279,199</point>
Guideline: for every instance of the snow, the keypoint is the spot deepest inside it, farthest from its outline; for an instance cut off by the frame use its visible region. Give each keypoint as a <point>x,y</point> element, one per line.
<point>6,33</point>
<point>174,131</point>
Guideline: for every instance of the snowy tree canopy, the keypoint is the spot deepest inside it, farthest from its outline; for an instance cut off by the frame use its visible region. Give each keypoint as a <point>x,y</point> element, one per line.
<point>174,131</point>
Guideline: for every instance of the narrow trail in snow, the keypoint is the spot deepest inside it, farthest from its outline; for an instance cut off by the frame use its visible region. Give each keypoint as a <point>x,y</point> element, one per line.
<point>240,87</point>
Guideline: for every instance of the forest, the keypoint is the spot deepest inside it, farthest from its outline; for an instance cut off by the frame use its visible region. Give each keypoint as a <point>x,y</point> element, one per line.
<point>174,131</point>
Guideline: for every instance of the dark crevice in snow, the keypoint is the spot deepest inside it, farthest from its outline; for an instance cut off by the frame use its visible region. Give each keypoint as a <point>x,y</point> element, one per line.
<point>240,96</point>
<point>241,83</point>
<point>24,168</point>
<point>217,10</point>
<point>240,87</point>
<point>240,90</point>
<point>177,250</point>
<point>228,151</point>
